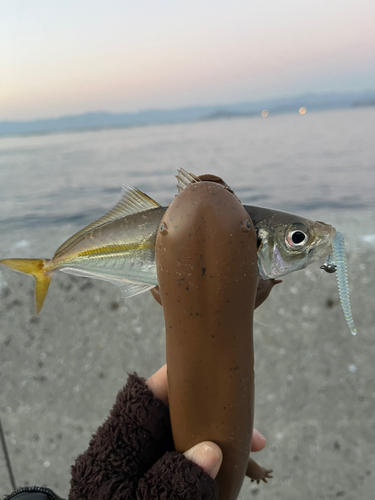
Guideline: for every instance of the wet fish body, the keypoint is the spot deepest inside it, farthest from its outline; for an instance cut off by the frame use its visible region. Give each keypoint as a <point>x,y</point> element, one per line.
<point>120,246</point>
<point>121,251</point>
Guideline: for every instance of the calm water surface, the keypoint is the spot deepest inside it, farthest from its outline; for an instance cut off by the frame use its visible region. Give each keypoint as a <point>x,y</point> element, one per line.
<point>322,160</point>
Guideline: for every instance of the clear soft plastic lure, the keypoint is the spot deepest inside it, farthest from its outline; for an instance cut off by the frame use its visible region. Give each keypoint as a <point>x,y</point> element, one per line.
<point>336,263</point>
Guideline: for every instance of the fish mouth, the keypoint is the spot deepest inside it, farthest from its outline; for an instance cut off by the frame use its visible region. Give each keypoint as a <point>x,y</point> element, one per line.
<point>324,236</point>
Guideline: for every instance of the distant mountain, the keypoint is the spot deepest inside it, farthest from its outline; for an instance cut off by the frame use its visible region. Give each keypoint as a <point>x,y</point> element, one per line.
<point>102,120</point>
<point>221,114</point>
<point>365,103</point>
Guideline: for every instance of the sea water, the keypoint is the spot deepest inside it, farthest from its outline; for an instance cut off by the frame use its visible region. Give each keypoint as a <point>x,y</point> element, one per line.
<point>317,161</point>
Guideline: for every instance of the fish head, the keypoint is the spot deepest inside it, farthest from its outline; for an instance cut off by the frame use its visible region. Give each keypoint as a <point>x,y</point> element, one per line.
<point>286,242</point>
<point>286,246</point>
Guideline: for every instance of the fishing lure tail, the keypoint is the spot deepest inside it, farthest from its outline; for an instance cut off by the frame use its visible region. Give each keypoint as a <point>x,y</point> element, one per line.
<point>34,267</point>
<point>336,262</point>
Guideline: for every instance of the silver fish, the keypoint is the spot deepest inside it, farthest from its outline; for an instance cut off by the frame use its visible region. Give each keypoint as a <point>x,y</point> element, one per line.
<point>119,247</point>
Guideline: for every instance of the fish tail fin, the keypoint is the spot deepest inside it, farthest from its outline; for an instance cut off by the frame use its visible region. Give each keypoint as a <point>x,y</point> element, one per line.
<point>35,267</point>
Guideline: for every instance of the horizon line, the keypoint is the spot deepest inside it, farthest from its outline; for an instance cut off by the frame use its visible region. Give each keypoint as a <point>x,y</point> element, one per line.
<point>193,106</point>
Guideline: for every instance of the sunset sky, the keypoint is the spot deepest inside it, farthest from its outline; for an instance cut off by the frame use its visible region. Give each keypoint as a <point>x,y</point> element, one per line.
<point>60,57</point>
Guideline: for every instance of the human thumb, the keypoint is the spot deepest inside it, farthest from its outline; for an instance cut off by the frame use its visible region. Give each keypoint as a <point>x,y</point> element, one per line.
<point>207,455</point>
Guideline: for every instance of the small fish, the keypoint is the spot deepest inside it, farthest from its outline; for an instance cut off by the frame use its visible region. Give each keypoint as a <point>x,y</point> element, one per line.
<point>120,246</point>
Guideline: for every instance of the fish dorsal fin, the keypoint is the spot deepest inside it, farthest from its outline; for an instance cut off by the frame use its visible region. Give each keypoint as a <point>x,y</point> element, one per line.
<point>184,179</point>
<point>132,201</point>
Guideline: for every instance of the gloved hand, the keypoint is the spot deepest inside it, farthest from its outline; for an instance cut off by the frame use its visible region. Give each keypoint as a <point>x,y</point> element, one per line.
<point>131,455</point>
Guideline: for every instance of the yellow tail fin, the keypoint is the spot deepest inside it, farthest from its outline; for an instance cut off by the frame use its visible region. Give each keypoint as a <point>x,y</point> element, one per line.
<point>35,267</point>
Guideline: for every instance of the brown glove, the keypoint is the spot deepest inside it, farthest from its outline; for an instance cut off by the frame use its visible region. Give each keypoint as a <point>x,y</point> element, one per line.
<point>131,455</point>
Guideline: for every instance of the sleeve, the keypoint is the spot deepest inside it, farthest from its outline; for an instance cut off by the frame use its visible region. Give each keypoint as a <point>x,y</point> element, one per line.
<point>33,493</point>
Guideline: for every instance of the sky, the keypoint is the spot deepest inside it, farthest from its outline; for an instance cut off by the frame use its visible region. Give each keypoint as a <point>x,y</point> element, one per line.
<point>64,57</point>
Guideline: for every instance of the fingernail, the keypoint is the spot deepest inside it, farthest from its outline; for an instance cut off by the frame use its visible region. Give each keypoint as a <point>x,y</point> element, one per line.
<point>207,456</point>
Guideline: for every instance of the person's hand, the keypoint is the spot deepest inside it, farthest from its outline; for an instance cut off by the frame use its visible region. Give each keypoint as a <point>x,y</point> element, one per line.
<point>132,455</point>
<point>207,454</point>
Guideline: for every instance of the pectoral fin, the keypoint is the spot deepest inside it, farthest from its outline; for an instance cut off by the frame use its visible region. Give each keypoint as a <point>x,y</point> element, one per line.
<point>128,288</point>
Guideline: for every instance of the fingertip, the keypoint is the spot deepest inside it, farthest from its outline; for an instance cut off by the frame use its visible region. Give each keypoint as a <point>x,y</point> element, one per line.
<point>156,294</point>
<point>258,441</point>
<point>207,455</point>
<point>158,384</point>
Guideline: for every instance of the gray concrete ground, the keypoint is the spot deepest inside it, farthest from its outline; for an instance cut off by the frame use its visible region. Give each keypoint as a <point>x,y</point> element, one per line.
<point>315,389</point>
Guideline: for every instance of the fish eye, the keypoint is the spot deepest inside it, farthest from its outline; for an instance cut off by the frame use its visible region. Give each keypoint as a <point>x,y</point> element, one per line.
<point>296,238</point>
